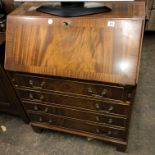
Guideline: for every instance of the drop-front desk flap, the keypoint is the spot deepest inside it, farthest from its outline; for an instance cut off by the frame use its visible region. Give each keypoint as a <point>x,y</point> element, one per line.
<point>102,47</point>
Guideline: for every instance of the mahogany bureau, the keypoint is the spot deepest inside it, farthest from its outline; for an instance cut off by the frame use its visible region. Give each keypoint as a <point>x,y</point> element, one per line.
<point>77,75</point>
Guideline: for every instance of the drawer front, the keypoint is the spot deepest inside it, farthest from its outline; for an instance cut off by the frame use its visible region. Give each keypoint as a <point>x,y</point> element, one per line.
<point>78,114</point>
<point>77,125</point>
<point>69,86</point>
<point>75,102</point>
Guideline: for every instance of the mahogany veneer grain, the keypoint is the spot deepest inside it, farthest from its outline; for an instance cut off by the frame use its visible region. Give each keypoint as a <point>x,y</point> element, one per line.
<point>87,48</point>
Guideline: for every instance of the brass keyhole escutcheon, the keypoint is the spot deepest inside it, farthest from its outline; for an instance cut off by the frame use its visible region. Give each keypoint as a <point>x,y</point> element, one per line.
<point>66,24</point>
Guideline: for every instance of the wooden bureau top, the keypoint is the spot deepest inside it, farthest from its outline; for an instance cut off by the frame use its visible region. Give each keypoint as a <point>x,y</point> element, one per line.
<point>103,47</point>
<point>119,10</point>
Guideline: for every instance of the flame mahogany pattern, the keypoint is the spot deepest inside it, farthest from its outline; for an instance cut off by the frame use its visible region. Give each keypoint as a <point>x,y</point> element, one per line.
<point>83,47</point>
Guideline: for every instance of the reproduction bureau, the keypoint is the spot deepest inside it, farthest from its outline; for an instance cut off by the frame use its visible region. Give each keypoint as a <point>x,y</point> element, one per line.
<point>77,75</point>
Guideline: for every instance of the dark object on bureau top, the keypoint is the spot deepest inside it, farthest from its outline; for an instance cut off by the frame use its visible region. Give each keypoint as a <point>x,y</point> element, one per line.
<point>72,9</point>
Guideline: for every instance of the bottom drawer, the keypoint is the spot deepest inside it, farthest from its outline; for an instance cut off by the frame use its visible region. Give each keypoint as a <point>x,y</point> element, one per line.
<point>75,113</point>
<point>77,125</point>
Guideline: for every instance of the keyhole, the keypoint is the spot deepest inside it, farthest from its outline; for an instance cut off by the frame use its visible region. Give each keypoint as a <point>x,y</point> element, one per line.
<point>66,24</point>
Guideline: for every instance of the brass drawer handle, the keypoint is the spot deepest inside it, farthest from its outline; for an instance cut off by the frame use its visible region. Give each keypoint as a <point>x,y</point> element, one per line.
<point>109,132</point>
<point>97,106</point>
<point>95,95</point>
<point>35,107</point>
<point>40,119</point>
<point>100,110</point>
<point>42,84</point>
<point>90,90</point>
<point>111,108</point>
<point>110,120</point>
<point>31,83</point>
<point>14,82</point>
<point>31,97</point>
<point>97,131</point>
<point>97,118</point>
<point>50,121</point>
<point>103,93</point>
<point>129,95</point>
<point>46,109</point>
<point>41,97</point>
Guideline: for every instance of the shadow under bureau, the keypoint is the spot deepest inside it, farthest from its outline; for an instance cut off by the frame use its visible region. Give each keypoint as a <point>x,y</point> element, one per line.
<point>78,77</point>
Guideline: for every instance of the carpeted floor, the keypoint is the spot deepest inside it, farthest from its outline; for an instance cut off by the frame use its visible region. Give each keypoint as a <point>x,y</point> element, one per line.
<point>19,139</point>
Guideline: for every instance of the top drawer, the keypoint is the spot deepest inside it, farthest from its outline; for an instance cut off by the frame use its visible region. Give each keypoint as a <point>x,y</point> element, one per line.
<point>70,86</point>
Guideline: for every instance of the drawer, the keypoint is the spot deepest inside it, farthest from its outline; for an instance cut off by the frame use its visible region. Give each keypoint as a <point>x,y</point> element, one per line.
<point>74,102</point>
<point>52,120</point>
<point>70,86</point>
<point>78,114</point>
